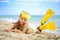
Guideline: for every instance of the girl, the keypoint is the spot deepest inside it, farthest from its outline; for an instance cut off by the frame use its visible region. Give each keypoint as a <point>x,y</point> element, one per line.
<point>21,26</point>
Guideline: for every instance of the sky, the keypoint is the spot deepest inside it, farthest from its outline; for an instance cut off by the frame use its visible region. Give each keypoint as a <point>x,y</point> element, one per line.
<point>33,7</point>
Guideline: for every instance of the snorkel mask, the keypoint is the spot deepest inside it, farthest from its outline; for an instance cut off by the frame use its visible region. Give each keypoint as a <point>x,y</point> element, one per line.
<point>25,15</point>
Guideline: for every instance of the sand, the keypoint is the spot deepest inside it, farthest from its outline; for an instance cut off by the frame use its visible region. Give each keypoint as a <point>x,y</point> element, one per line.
<point>19,36</point>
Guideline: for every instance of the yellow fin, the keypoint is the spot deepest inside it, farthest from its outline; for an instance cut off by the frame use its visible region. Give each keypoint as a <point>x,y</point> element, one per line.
<point>49,26</point>
<point>48,15</point>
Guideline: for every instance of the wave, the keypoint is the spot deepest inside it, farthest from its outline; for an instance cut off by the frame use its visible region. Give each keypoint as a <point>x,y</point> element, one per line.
<point>8,19</point>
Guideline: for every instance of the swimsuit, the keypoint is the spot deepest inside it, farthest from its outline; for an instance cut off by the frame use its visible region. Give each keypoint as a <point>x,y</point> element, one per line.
<point>34,29</point>
<point>22,29</point>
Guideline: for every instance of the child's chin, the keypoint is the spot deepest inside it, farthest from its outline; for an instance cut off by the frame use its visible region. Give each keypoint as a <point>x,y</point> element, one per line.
<point>21,24</point>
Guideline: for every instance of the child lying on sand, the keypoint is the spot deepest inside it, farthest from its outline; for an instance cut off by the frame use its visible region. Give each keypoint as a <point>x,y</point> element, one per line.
<point>21,26</point>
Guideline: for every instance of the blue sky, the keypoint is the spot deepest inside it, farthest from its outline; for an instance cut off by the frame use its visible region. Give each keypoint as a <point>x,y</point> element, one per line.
<point>34,7</point>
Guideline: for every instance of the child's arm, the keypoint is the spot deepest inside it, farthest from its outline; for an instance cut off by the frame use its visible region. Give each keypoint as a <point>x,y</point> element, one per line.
<point>25,27</point>
<point>11,29</point>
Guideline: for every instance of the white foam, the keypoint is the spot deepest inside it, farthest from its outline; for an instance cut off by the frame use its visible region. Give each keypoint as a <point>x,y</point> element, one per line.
<point>57,31</point>
<point>8,19</point>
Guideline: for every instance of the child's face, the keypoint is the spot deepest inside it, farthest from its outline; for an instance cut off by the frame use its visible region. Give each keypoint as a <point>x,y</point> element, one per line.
<point>22,20</point>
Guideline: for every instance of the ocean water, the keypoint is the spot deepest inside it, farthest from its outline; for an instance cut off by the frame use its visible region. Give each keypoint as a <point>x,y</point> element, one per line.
<point>35,20</point>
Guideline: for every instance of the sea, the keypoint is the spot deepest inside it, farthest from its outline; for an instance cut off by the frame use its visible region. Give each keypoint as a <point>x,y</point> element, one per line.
<point>35,21</point>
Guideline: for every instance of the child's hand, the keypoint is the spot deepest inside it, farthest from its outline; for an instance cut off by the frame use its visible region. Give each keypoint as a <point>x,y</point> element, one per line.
<point>15,30</point>
<point>7,30</point>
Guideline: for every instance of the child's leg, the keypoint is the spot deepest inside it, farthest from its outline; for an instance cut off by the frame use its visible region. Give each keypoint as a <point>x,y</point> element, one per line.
<point>38,30</point>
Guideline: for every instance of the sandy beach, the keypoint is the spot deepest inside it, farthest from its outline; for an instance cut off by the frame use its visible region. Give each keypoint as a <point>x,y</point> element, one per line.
<point>19,36</point>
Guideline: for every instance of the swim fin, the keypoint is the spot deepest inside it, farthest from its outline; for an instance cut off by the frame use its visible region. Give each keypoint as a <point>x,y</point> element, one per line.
<point>49,26</point>
<point>48,15</point>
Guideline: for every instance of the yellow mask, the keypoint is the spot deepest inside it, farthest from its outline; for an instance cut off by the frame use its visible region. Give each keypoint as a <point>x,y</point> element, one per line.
<point>25,15</point>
